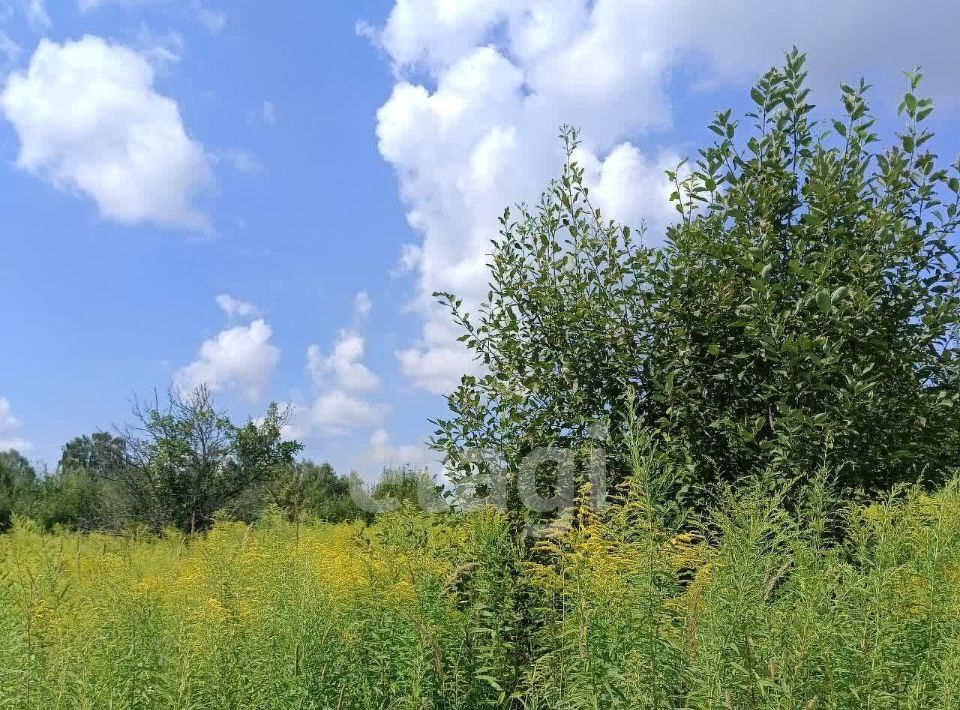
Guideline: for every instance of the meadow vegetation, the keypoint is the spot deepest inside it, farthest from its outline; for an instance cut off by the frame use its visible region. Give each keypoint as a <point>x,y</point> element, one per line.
<point>756,609</point>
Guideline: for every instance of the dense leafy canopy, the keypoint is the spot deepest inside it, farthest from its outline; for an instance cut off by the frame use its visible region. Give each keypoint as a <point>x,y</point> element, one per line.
<point>17,486</point>
<point>802,312</point>
<point>181,464</point>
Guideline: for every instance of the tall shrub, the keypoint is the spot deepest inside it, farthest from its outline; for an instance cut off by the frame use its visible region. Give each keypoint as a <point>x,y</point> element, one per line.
<point>802,312</point>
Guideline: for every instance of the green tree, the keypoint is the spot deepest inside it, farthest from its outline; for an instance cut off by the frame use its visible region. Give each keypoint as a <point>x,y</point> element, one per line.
<point>81,493</point>
<point>18,487</point>
<point>400,483</point>
<point>808,299</point>
<point>565,328</point>
<point>75,499</point>
<point>96,453</point>
<point>803,310</point>
<point>187,461</point>
<point>314,489</point>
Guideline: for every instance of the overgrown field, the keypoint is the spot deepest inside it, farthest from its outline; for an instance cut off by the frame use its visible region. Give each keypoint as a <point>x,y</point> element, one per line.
<point>761,611</point>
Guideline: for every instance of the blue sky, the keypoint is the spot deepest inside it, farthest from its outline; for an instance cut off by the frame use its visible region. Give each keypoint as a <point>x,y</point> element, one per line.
<point>263,199</point>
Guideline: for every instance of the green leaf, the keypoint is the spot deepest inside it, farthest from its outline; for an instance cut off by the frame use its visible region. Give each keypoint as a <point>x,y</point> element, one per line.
<point>824,301</point>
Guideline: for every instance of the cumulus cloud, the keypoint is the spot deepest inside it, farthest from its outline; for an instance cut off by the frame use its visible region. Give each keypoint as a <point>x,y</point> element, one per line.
<point>344,387</point>
<point>343,384</point>
<point>89,120</point>
<point>482,86</point>
<point>9,426</point>
<point>437,361</point>
<point>239,358</point>
<point>485,137</point>
<point>342,365</point>
<point>337,413</point>
<point>382,452</point>
<point>629,184</point>
<point>20,445</point>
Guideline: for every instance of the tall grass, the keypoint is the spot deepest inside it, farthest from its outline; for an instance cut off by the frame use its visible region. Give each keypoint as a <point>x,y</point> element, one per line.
<point>757,612</point>
<point>759,609</point>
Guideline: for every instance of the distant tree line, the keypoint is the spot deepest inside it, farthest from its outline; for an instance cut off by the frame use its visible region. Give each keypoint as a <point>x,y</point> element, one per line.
<point>177,465</point>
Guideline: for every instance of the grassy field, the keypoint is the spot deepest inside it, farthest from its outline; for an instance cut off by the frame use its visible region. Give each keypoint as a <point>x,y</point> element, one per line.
<point>438,612</point>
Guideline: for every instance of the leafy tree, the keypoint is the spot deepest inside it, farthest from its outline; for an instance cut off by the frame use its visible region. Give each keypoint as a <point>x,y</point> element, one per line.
<point>95,453</point>
<point>74,498</point>
<point>187,461</point>
<point>18,487</point>
<point>400,483</point>
<point>82,494</point>
<point>803,310</point>
<point>808,299</point>
<point>314,489</point>
<point>565,328</point>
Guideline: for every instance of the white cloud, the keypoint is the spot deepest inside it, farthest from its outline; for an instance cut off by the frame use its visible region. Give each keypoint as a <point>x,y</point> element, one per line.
<point>33,12</point>
<point>342,365</point>
<point>90,120</point>
<point>630,185</point>
<point>382,452</point>
<point>235,308</point>
<point>161,50</point>
<point>337,413</point>
<point>239,358</point>
<point>344,385</point>
<point>409,258</point>
<point>213,20</point>
<point>264,115</point>
<point>475,131</point>
<point>437,361</point>
<point>18,444</point>
<point>479,142</point>
<point>9,49</point>
<point>9,425</point>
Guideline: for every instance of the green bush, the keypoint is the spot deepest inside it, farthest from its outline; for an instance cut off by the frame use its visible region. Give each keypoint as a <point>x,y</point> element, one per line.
<point>801,313</point>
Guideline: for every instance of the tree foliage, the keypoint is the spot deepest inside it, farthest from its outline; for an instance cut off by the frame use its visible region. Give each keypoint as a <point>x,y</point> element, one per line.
<point>313,489</point>
<point>802,312</point>
<point>18,486</point>
<point>183,463</point>
<point>808,297</point>
<point>95,453</point>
